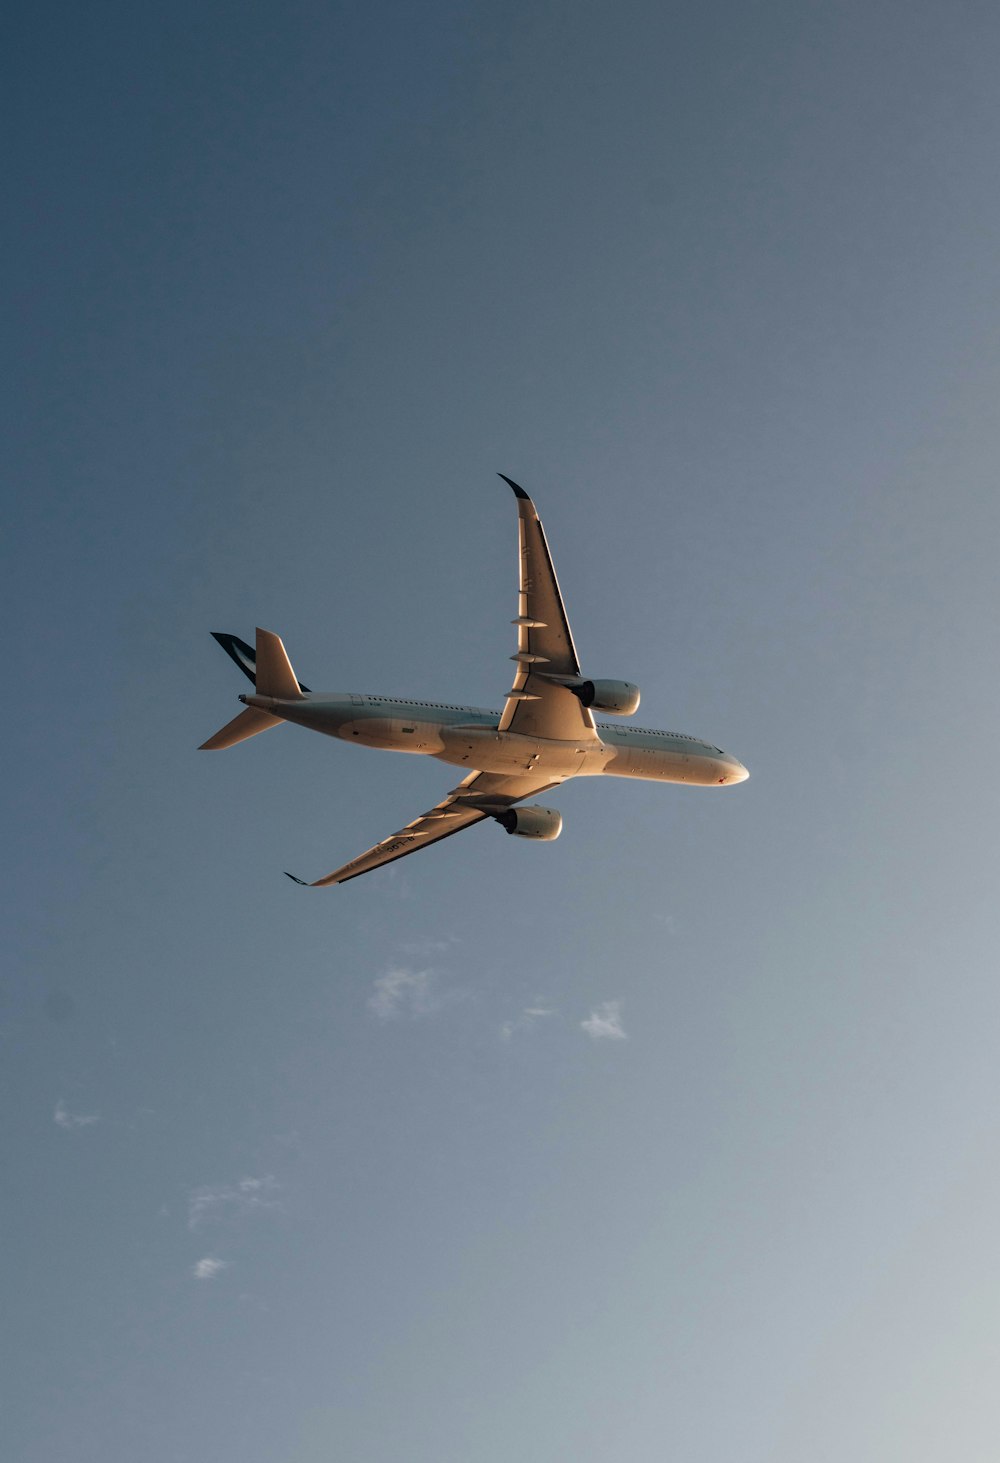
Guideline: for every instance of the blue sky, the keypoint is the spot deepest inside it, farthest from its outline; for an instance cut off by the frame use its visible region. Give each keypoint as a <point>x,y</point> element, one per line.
<point>677,1137</point>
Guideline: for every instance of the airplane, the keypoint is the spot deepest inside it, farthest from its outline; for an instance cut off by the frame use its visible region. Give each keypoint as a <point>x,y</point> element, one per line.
<point>545,734</point>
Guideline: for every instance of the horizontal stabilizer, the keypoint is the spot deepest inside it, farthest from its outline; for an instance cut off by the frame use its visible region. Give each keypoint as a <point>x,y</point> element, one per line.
<point>247,724</point>
<point>275,676</point>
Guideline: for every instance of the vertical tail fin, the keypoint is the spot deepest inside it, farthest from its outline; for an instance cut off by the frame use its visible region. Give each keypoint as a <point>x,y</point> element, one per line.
<point>270,667</point>
<point>243,655</point>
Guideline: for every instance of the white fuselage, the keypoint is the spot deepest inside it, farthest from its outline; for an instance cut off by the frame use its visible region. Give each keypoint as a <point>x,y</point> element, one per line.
<point>467,736</point>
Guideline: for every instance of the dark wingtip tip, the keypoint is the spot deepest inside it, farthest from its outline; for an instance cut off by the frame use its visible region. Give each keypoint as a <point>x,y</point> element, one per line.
<point>518,492</point>
<point>295,879</point>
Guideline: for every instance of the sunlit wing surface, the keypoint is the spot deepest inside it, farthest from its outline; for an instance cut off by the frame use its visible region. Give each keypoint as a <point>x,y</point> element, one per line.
<point>481,795</point>
<point>537,705</point>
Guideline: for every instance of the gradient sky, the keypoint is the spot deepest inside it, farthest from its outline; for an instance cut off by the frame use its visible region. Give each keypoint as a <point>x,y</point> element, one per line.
<point>677,1138</point>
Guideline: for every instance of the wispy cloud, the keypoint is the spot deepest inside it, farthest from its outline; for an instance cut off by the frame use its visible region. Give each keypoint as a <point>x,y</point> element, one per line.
<point>209,1267</point>
<point>525,1021</point>
<point>64,1118</point>
<point>401,991</point>
<point>228,1202</point>
<point>605,1022</point>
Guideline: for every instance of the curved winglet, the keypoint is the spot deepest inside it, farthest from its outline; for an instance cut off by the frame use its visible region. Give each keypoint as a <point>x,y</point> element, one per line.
<point>518,492</point>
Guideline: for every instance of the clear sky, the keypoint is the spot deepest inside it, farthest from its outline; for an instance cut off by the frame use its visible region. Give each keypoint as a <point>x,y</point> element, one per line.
<point>677,1138</point>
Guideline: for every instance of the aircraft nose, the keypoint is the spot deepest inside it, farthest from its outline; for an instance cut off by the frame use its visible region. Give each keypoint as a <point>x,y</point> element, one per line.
<point>735,772</point>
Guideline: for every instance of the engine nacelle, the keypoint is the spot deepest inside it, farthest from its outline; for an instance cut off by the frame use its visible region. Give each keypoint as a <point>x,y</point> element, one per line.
<point>621,698</point>
<point>531,822</point>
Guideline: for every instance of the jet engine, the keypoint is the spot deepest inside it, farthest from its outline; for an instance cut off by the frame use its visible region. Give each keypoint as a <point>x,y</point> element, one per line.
<point>531,822</point>
<point>621,698</point>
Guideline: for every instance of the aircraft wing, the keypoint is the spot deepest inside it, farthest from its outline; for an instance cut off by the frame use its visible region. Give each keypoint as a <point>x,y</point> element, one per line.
<point>481,795</point>
<point>538,706</point>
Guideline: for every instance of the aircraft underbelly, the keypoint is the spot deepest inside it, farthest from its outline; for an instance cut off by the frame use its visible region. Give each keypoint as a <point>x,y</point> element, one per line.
<point>654,764</point>
<point>393,734</point>
<point>389,732</point>
<point>508,752</point>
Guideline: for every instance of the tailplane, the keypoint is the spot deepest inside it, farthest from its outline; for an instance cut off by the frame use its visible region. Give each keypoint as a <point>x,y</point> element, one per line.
<point>270,669</point>
<point>275,676</point>
<point>247,724</point>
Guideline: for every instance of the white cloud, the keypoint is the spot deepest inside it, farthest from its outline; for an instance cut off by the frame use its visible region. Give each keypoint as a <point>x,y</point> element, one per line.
<point>228,1202</point>
<point>605,1023</point>
<point>525,1021</point>
<point>209,1267</point>
<point>63,1118</point>
<point>401,991</point>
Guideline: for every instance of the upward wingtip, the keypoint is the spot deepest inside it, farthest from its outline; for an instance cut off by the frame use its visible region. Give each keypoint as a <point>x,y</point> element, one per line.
<point>518,492</point>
